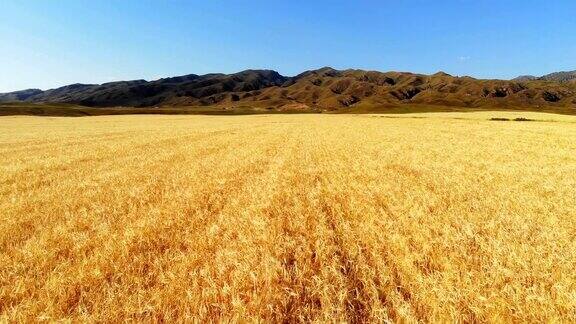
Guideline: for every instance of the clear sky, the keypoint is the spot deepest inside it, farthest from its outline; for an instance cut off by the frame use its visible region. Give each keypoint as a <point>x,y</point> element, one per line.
<point>46,44</point>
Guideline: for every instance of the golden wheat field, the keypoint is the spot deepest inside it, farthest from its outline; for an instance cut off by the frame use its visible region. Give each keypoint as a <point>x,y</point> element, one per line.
<point>402,218</point>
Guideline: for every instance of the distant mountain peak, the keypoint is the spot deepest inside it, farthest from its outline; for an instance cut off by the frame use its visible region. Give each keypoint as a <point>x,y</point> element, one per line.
<point>21,95</point>
<point>562,76</point>
<point>441,74</point>
<point>525,78</point>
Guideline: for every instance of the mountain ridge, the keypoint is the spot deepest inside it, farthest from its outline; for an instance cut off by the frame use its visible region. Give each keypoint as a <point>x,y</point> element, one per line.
<point>561,76</point>
<point>324,89</point>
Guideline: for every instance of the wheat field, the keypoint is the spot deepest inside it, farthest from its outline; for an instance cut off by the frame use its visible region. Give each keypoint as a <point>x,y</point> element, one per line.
<point>402,218</point>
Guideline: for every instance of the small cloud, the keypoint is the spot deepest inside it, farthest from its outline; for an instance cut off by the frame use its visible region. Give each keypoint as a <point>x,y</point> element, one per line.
<point>463,58</point>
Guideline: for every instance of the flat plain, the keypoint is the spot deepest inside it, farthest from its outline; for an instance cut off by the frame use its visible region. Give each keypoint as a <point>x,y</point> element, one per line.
<point>404,218</point>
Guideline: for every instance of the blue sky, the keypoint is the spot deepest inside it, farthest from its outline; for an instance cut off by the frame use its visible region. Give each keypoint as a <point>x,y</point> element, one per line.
<point>45,44</point>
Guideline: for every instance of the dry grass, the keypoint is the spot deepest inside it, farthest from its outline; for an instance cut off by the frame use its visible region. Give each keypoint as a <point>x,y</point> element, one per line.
<point>427,217</point>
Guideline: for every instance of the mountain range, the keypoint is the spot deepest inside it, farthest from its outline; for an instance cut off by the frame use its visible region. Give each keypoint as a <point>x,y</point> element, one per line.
<point>320,90</point>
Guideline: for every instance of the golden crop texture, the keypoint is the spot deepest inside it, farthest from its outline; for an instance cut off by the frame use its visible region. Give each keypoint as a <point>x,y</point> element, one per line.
<point>405,218</point>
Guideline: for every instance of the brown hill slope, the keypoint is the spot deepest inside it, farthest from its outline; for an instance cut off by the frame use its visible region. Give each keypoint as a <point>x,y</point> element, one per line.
<point>325,89</point>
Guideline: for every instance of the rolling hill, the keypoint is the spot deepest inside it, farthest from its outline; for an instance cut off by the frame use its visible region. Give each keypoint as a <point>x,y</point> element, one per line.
<point>324,89</point>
